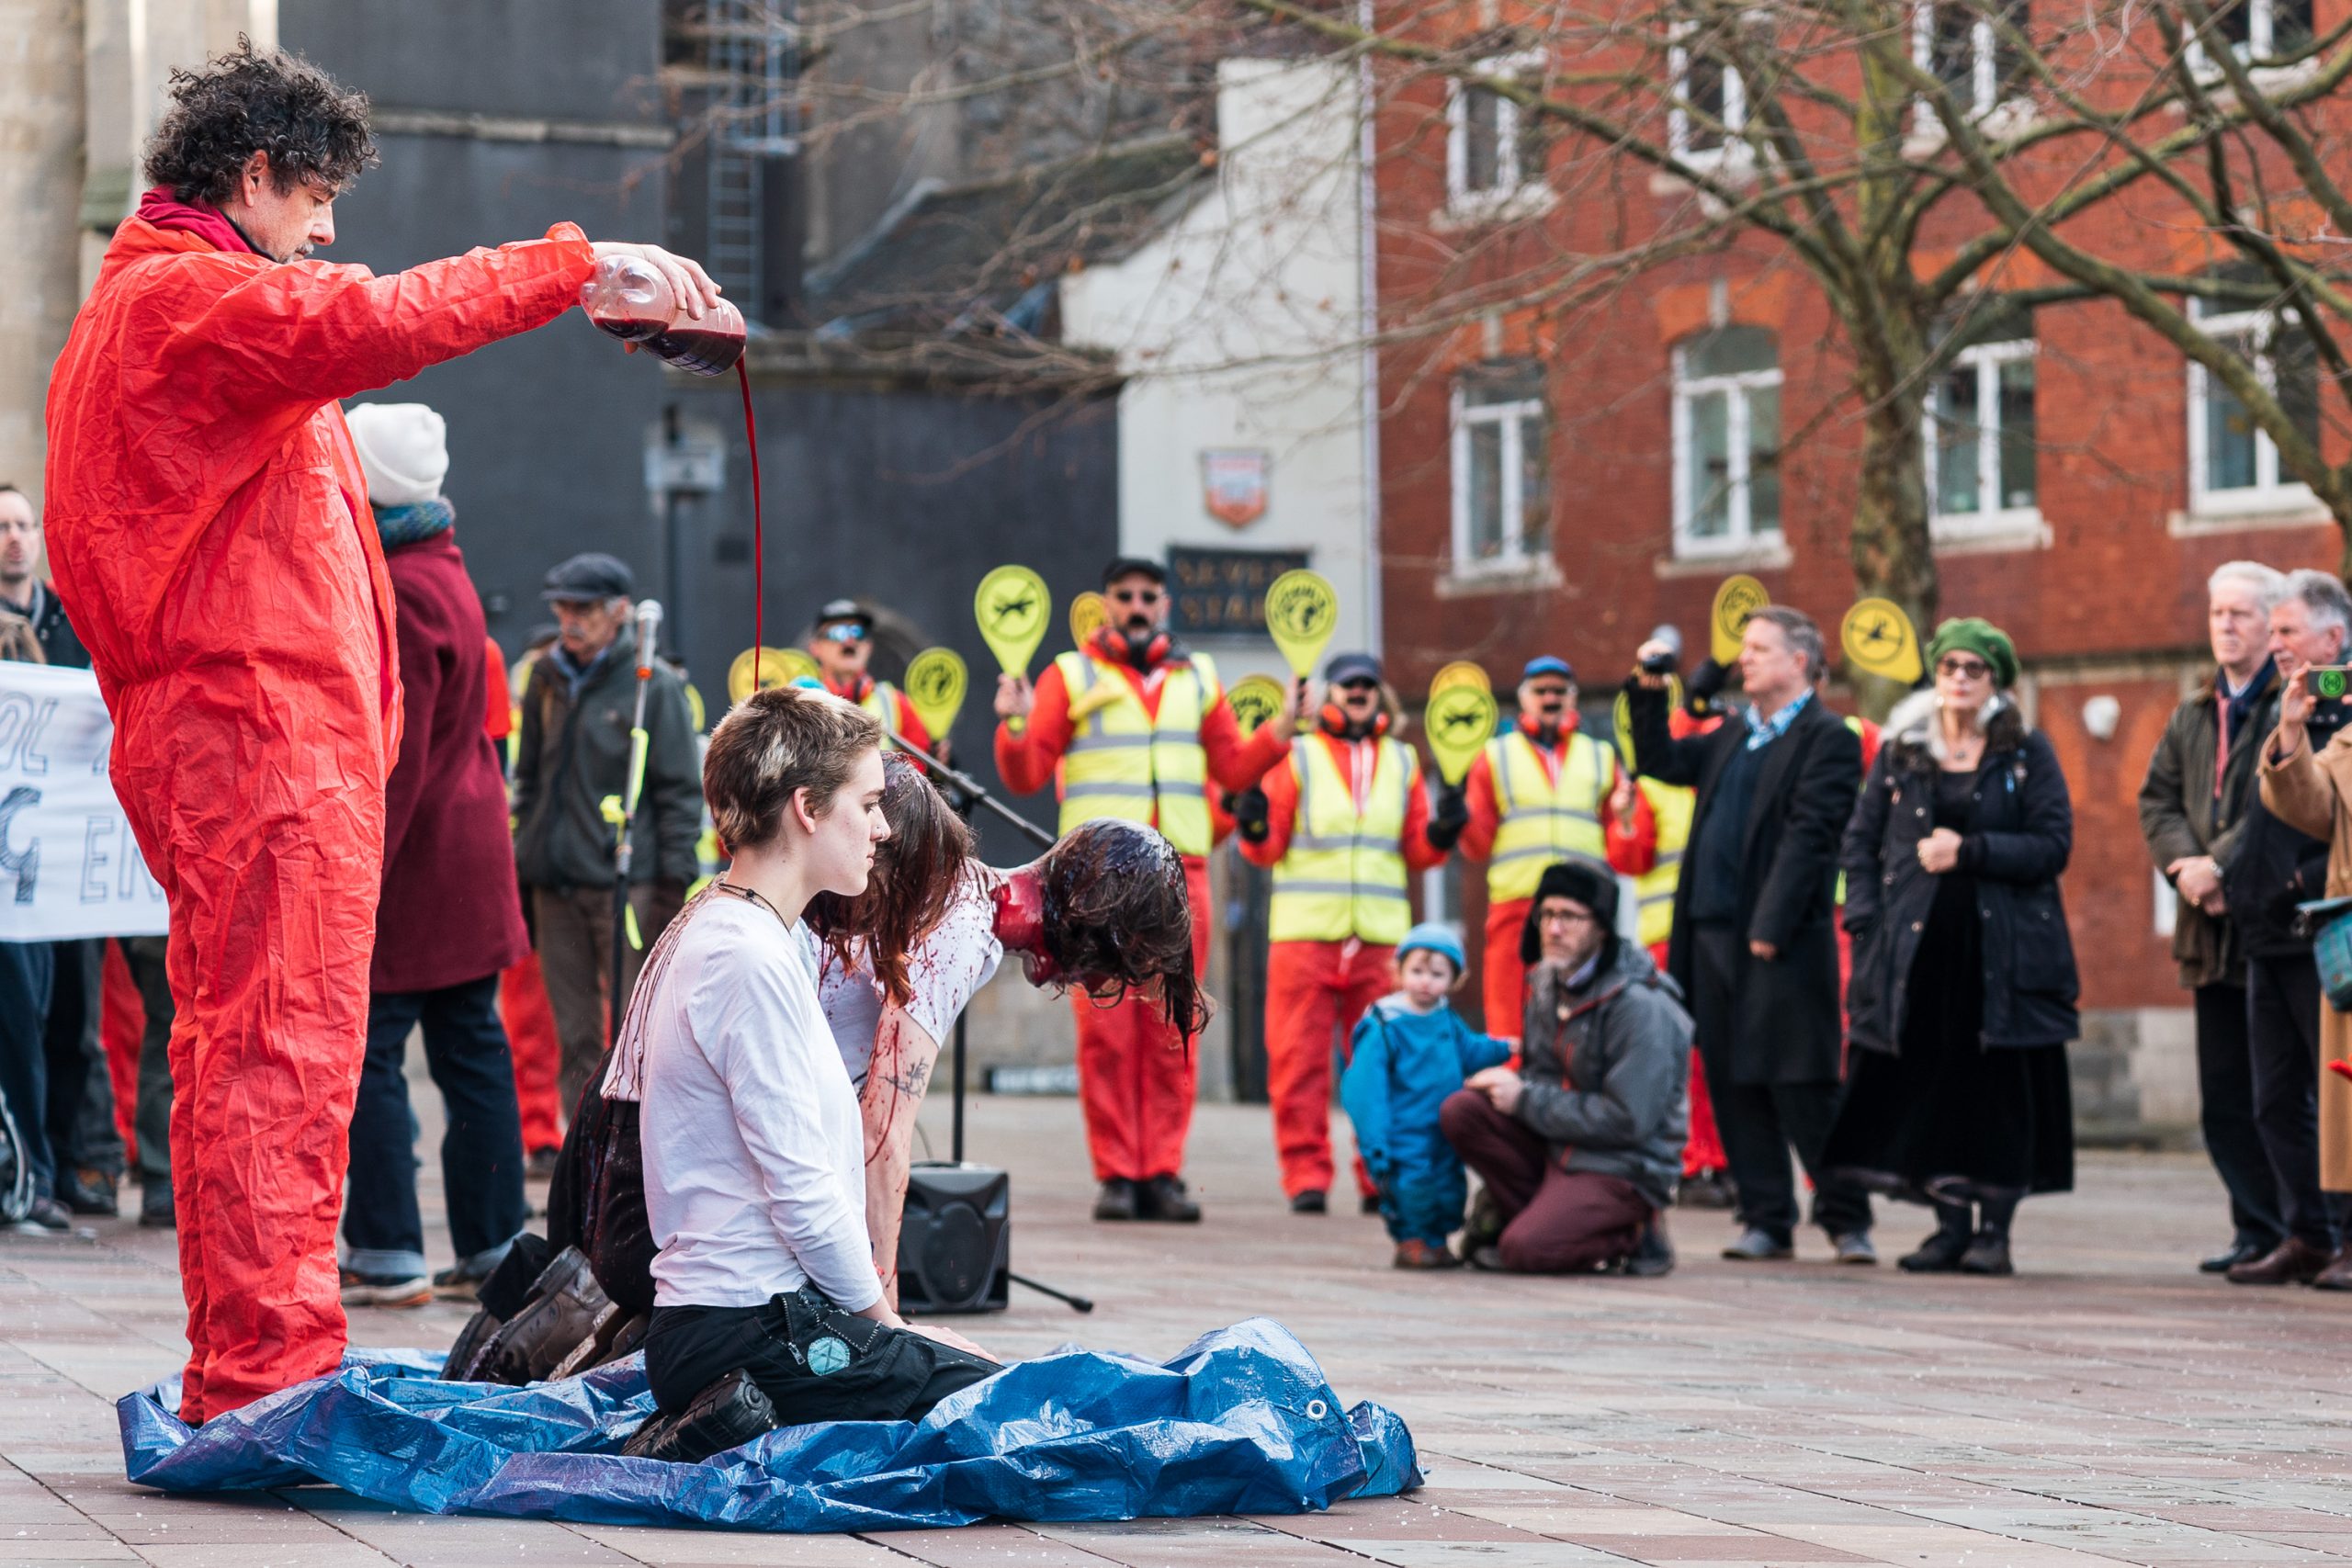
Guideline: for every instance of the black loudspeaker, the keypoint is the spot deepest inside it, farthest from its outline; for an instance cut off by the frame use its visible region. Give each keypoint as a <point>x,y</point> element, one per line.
<point>956,1241</point>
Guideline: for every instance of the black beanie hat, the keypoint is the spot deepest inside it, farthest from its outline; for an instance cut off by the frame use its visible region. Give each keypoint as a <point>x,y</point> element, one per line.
<point>1578,877</point>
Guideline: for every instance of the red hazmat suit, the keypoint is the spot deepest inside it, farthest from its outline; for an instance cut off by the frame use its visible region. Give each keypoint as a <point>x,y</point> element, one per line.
<point>210,533</point>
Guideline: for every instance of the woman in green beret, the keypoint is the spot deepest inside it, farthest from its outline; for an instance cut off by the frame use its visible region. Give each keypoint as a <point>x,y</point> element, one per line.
<point>1963,987</point>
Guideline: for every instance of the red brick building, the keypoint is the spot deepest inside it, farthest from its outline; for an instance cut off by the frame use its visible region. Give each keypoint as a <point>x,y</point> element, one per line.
<point>1565,489</point>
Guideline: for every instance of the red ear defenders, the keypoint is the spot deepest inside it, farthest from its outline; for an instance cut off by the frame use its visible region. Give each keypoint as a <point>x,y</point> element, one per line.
<point>1112,644</point>
<point>1334,720</point>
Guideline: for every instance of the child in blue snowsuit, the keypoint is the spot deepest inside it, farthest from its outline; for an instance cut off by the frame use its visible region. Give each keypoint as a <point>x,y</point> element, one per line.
<point>1409,1050</point>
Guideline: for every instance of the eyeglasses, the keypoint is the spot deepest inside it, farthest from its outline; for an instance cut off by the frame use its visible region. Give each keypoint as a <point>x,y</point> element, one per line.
<point>1136,595</point>
<point>1966,669</point>
<point>841,631</point>
<point>1563,918</point>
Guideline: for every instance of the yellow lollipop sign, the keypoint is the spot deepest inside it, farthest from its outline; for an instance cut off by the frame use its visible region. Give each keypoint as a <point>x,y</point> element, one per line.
<point>1088,613</point>
<point>1302,612</point>
<point>1880,640</point>
<point>1739,597</point>
<point>1012,606</point>
<point>1460,673</point>
<point>1254,699</point>
<point>936,681</point>
<point>777,667</point>
<point>1461,720</point>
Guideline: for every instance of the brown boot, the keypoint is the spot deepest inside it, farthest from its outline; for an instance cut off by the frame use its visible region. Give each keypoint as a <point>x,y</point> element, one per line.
<point>1415,1253</point>
<point>2293,1262</point>
<point>2337,1275</point>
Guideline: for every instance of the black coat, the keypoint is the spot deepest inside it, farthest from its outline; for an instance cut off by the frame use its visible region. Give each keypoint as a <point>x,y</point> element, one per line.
<point>2268,868</point>
<point>2016,847</point>
<point>1787,1028</point>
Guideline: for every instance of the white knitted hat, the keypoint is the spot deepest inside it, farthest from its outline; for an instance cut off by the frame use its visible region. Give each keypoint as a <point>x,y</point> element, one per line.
<point>403,450</point>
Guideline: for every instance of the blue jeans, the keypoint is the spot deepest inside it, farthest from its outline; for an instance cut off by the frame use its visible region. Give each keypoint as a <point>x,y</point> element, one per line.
<point>26,970</point>
<point>481,1150</point>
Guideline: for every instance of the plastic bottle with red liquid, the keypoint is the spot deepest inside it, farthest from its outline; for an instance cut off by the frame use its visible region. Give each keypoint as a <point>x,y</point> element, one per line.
<point>629,300</point>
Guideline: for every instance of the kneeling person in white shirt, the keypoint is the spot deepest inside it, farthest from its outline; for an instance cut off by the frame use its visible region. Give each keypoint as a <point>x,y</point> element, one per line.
<point>754,1151</point>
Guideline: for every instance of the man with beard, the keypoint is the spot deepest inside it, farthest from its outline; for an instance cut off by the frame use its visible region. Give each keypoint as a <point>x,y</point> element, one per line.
<point>1138,726</point>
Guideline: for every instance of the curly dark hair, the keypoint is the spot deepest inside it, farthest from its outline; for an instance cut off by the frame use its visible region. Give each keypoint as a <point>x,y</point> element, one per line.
<point>1118,918</point>
<point>916,870</point>
<point>250,101</point>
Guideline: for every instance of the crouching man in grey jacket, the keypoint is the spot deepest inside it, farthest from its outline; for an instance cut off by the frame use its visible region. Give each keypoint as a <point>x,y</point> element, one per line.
<point>1581,1146</point>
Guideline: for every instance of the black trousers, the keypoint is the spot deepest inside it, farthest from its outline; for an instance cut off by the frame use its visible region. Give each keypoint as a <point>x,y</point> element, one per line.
<point>82,1130</point>
<point>1761,1123</point>
<point>2282,1034</point>
<point>813,1360</point>
<point>26,970</point>
<point>481,1151</point>
<point>2225,1116</point>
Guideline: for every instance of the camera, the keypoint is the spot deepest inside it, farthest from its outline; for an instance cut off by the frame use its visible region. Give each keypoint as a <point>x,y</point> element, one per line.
<point>1663,662</point>
<point>1660,663</point>
<point>2330,682</point>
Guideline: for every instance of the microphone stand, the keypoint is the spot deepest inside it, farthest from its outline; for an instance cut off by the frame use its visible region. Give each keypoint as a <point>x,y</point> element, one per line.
<point>974,793</point>
<point>621,811</point>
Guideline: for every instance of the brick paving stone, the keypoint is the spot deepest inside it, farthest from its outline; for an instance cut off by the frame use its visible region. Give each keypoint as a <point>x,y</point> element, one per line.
<point>2108,1405</point>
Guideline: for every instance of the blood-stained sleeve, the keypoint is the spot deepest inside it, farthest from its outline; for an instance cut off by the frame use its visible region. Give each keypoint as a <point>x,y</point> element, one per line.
<point>1025,759</point>
<point>1477,839</point>
<point>311,331</point>
<point>1281,786</point>
<point>1419,853</point>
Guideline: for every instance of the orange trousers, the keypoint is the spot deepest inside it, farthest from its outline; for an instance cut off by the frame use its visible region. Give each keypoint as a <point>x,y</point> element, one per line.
<point>1503,982</point>
<point>1136,1076</point>
<point>524,1009</point>
<point>1315,993</point>
<point>122,1025</point>
<point>1702,1149</point>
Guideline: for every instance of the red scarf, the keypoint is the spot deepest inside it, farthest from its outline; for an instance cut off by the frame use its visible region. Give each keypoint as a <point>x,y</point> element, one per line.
<point>160,207</point>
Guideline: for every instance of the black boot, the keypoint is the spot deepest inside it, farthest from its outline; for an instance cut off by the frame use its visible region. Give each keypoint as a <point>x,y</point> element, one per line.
<point>1941,1252</point>
<point>1989,1253</point>
<point>1116,1200</point>
<point>1164,1198</point>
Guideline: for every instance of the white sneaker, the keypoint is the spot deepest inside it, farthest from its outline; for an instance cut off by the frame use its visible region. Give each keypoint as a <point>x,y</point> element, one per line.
<point>385,1290</point>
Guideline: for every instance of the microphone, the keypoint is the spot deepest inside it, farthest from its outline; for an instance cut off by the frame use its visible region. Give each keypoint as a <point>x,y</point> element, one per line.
<point>649,629</point>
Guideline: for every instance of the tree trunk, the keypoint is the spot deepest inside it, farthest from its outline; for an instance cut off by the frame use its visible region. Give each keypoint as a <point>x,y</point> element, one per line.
<point>1894,558</point>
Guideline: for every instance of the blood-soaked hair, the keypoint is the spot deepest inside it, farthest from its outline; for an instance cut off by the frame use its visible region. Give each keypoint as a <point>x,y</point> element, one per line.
<point>1118,918</point>
<point>916,870</point>
<point>257,100</point>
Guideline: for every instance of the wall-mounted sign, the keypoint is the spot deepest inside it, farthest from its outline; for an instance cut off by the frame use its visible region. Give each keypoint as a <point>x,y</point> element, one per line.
<point>1223,593</point>
<point>1233,484</point>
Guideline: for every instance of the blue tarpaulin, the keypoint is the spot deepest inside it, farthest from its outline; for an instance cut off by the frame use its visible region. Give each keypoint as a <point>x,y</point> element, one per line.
<point>1240,1421</point>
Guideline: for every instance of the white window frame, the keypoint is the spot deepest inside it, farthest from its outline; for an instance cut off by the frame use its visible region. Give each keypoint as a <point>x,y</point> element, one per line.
<point>2268,492</point>
<point>2261,38</point>
<point>1514,557</point>
<point>1987,359</point>
<point>1741,538</point>
<point>1734,152</point>
<point>1985,58</point>
<point>1512,184</point>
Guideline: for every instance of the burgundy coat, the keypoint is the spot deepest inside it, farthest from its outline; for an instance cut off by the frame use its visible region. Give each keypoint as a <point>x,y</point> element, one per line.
<point>450,913</point>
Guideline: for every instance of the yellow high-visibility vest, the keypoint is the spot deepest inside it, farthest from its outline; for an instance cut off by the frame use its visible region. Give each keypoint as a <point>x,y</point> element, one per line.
<point>1344,873</point>
<point>1541,821</point>
<point>881,703</point>
<point>1672,806</point>
<point>1122,763</point>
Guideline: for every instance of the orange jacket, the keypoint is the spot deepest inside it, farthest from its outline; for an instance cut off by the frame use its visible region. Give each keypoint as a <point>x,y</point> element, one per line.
<point>205,510</point>
<point>1281,784</point>
<point>1025,761</point>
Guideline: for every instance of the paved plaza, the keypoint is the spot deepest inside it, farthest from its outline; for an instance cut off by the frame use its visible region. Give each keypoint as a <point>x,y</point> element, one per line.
<point>2108,1405</point>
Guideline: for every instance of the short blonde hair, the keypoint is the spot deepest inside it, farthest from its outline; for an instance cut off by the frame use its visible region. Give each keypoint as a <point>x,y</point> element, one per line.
<point>774,744</point>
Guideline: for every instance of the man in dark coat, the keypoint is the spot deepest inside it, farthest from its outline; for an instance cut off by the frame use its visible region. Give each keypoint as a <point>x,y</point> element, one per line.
<point>1754,945</point>
<point>574,753</point>
<point>2269,869</point>
<point>2192,806</point>
<point>85,1144</point>
<point>449,918</point>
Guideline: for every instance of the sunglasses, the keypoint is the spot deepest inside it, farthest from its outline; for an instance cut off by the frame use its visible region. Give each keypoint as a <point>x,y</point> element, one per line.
<point>1358,685</point>
<point>1966,669</point>
<point>1548,694</point>
<point>1136,596</point>
<point>841,631</point>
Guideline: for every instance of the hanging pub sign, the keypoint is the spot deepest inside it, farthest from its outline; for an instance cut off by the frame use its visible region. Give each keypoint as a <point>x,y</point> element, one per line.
<point>1233,484</point>
<point>1223,593</point>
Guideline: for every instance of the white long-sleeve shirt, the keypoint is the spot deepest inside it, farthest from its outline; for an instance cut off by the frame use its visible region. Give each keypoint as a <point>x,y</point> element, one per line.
<point>946,967</point>
<point>754,1155</point>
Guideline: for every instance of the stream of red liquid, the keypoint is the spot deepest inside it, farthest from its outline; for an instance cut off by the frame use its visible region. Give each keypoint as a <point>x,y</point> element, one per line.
<point>759,531</point>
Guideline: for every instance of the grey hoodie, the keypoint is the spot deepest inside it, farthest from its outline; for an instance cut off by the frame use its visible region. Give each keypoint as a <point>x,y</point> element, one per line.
<point>1607,1068</point>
